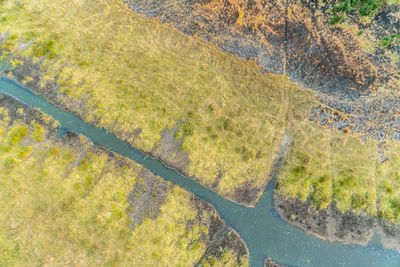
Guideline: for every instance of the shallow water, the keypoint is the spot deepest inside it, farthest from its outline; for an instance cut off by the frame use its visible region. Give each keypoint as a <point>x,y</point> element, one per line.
<point>264,232</point>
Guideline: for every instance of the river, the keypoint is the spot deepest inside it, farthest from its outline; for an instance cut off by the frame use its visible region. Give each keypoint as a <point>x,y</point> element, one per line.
<point>264,232</point>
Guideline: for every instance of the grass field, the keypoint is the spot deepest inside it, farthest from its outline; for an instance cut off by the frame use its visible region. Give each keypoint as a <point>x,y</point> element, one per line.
<point>327,165</point>
<point>133,73</point>
<point>51,212</point>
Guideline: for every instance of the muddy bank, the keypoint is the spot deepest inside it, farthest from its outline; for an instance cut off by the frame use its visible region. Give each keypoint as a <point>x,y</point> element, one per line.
<point>221,237</point>
<point>333,225</point>
<point>271,263</point>
<point>146,197</point>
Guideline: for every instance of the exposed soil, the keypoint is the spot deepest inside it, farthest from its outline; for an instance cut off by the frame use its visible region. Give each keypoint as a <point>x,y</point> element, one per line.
<point>148,194</point>
<point>389,234</point>
<point>246,193</point>
<point>333,225</point>
<point>329,223</point>
<point>169,150</point>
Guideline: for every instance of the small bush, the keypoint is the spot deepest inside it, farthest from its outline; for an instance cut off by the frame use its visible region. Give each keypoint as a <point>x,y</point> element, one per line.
<point>368,7</point>
<point>247,154</point>
<point>298,171</point>
<point>16,134</point>
<point>229,124</point>
<point>389,39</point>
<point>38,132</point>
<point>336,19</point>
<point>45,49</point>
<point>359,201</point>
<point>187,128</point>
<point>320,199</point>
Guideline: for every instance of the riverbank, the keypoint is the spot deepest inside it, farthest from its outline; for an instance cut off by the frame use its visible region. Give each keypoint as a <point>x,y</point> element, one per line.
<point>333,225</point>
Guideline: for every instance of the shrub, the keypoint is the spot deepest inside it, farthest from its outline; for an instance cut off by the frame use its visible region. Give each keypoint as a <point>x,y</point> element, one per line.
<point>359,201</point>
<point>229,124</point>
<point>336,19</point>
<point>247,154</point>
<point>395,205</point>
<point>38,132</point>
<point>389,39</point>
<point>45,49</point>
<point>16,134</point>
<point>320,199</point>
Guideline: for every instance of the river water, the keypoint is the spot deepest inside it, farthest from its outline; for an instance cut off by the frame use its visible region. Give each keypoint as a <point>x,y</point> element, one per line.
<point>264,232</point>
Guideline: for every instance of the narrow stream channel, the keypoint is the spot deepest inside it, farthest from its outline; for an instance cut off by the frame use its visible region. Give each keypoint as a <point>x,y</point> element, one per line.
<point>264,232</point>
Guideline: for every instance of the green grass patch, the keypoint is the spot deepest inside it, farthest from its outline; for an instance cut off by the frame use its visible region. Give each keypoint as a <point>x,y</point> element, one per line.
<point>389,40</point>
<point>327,165</point>
<point>365,8</point>
<point>388,184</point>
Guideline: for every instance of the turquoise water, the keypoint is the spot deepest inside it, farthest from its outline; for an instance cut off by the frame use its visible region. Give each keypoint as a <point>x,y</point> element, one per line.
<point>264,232</point>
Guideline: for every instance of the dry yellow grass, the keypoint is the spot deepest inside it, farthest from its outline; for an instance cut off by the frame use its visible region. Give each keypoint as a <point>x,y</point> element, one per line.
<point>135,73</point>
